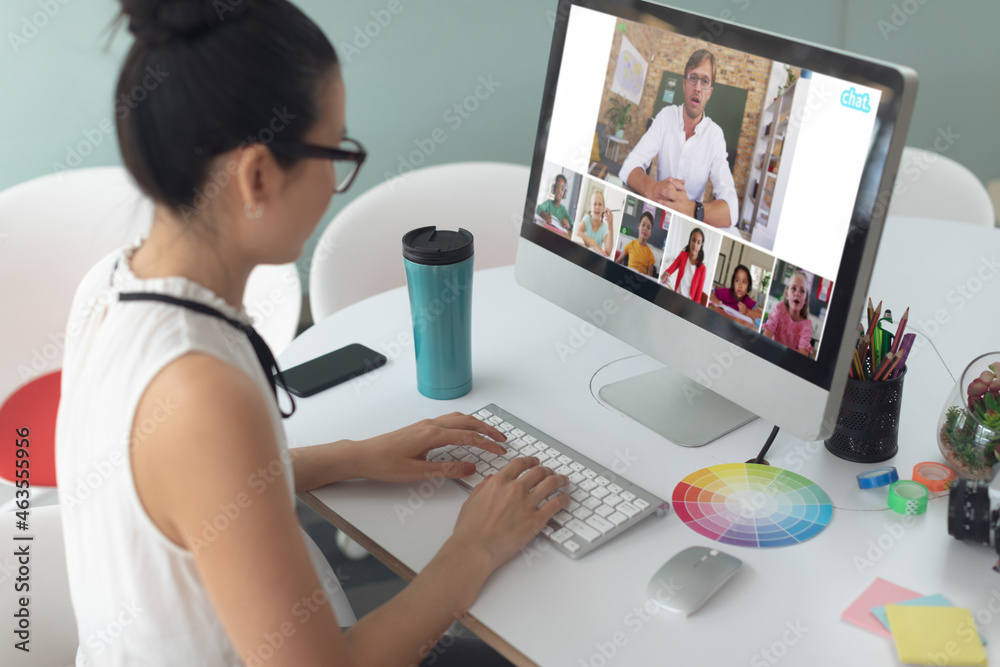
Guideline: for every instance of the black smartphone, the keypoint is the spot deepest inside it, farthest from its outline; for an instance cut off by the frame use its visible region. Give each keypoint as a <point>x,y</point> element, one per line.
<point>331,369</point>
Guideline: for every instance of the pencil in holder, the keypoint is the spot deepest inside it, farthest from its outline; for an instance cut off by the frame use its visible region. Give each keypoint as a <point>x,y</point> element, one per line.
<point>867,427</point>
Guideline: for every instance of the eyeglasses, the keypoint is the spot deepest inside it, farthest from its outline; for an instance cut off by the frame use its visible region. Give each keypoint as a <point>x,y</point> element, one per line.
<point>698,81</point>
<point>347,159</point>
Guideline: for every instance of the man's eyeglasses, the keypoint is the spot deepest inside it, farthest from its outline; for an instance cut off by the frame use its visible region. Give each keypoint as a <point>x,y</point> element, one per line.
<point>696,81</point>
<point>347,159</point>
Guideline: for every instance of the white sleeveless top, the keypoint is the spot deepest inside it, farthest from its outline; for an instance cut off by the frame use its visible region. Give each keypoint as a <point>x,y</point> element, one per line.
<point>137,596</point>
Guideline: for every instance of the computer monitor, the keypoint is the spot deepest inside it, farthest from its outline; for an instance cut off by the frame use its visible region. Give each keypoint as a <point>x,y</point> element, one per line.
<point>714,196</point>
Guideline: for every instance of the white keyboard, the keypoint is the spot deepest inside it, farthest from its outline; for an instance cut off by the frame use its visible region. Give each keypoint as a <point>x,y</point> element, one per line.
<point>601,507</point>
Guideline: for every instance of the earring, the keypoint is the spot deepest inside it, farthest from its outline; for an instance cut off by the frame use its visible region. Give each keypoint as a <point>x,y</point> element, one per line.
<point>255,212</point>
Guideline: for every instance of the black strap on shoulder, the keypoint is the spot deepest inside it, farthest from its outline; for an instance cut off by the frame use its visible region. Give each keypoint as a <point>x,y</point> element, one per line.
<point>260,347</point>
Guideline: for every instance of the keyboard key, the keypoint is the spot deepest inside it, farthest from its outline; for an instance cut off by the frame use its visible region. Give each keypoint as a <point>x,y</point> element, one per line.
<point>600,524</point>
<point>528,439</point>
<point>627,495</point>
<point>542,456</point>
<point>475,479</point>
<point>614,488</point>
<point>459,452</point>
<point>470,458</point>
<point>628,509</point>
<point>505,426</point>
<point>442,458</point>
<point>547,531</point>
<point>591,503</point>
<point>483,467</point>
<point>580,495</point>
<point>540,445</point>
<point>565,460</point>
<point>575,477</point>
<point>571,546</point>
<point>600,492</point>
<point>604,511</point>
<point>487,456</point>
<point>602,480</point>
<point>589,474</point>
<point>550,463</point>
<point>572,505</point>
<point>578,467</point>
<point>640,503</point>
<point>510,454</point>
<point>588,485</point>
<point>479,417</point>
<point>581,513</point>
<point>516,432</point>
<point>499,463</point>
<point>553,452</point>
<point>485,413</point>
<point>612,500</point>
<point>617,518</point>
<point>562,517</point>
<point>561,535</point>
<point>562,470</point>
<point>516,444</point>
<point>494,420</point>
<point>528,451</point>
<point>583,530</point>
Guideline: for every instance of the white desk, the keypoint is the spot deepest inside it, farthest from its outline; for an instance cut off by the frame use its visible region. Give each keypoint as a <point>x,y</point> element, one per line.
<point>551,610</point>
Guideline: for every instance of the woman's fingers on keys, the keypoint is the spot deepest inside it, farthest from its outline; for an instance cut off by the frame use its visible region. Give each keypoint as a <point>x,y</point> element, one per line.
<point>531,478</point>
<point>517,466</point>
<point>547,486</point>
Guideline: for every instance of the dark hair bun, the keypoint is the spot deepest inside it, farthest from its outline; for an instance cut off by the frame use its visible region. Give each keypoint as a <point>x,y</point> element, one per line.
<point>160,21</point>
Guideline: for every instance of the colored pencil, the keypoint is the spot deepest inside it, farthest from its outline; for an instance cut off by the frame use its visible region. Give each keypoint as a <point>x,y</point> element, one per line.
<point>883,367</point>
<point>875,317</point>
<point>899,330</point>
<point>897,367</point>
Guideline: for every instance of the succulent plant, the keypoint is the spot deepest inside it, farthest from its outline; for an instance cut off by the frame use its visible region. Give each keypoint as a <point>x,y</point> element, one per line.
<point>973,430</point>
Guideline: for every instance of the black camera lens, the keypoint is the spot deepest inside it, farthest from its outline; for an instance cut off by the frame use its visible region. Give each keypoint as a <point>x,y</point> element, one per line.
<point>969,514</point>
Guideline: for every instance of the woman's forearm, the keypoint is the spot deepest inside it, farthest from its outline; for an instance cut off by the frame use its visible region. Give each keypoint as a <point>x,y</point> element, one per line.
<point>324,464</point>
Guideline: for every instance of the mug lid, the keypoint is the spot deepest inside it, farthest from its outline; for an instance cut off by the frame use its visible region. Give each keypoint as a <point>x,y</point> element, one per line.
<point>429,245</point>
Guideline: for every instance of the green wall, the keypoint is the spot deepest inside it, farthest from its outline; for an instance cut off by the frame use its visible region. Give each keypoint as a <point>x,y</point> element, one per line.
<point>57,80</point>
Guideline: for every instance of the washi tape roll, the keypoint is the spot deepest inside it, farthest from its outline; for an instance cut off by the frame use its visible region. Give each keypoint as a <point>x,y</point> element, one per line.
<point>871,479</point>
<point>935,476</point>
<point>906,497</point>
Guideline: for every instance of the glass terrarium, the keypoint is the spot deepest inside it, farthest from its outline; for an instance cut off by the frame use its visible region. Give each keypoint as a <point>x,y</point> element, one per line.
<point>969,428</point>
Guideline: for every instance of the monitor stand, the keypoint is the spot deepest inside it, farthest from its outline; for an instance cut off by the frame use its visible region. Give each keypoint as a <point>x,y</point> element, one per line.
<point>676,407</point>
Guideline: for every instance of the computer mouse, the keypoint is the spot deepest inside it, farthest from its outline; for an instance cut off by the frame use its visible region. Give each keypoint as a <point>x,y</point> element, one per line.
<point>686,582</point>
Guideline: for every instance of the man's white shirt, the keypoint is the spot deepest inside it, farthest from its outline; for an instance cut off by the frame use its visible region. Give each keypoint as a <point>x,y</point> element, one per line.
<point>692,160</point>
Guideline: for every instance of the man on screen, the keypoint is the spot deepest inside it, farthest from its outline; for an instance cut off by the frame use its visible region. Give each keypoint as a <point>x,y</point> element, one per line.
<point>691,149</point>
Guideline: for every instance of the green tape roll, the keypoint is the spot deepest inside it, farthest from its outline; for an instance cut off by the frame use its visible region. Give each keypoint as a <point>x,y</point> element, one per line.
<point>906,497</point>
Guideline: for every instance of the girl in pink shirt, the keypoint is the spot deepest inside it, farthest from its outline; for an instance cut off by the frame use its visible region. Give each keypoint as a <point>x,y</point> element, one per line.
<point>789,322</point>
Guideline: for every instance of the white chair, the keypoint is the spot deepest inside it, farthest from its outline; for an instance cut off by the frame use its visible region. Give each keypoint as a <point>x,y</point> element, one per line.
<point>52,230</point>
<point>930,185</point>
<point>360,251</point>
<point>53,634</point>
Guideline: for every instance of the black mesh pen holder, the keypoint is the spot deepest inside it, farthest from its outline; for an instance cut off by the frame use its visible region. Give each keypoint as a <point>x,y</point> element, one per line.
<point>868,422</point>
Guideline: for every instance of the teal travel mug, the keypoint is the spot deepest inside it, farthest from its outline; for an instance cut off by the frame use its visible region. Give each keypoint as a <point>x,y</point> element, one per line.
<point>439,278</point>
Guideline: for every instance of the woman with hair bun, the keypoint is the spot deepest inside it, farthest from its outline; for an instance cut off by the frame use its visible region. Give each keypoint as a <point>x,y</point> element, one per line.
<point>193,535</point>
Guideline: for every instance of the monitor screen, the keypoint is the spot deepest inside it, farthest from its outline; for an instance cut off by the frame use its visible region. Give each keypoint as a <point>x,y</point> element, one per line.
<point>726,176</point>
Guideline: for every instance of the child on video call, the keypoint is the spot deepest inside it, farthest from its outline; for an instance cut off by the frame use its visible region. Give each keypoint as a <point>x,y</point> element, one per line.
<point>690,267</point>
<point>593,230</point>
<point>551,210</point>
<point>637,251</point>
<point>789,322</point>
<point>737,295</point>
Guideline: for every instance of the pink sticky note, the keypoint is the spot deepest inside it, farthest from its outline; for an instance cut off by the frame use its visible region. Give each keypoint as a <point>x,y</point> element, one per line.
<point>881,592</point>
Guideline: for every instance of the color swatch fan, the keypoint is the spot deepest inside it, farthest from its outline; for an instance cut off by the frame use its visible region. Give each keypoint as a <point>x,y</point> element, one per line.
<point>752,505</point>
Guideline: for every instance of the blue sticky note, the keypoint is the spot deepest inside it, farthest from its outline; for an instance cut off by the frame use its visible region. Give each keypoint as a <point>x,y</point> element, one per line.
<point>928,601</point>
